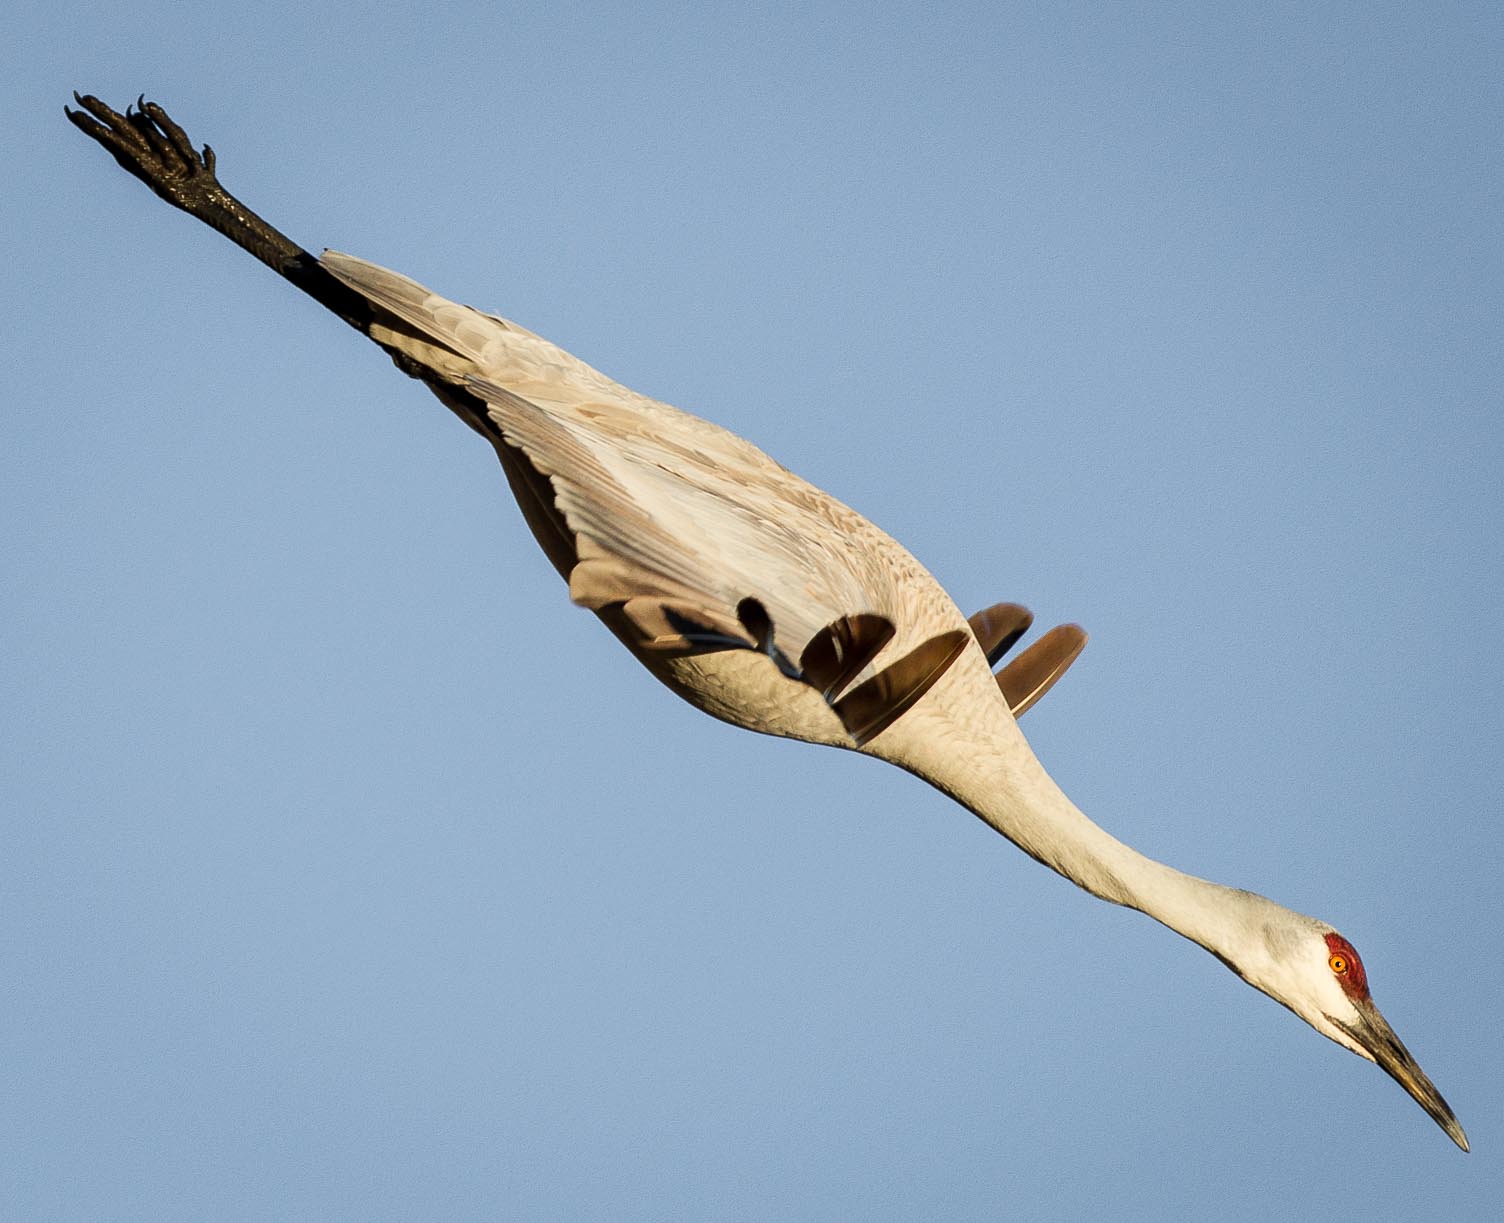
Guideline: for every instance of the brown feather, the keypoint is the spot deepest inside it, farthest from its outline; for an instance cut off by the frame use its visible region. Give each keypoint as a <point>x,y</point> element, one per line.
<point>667,626</point>
<point>1034,672</point>
<point>998,627</point>
<point>837,654</point>
<point>872,707</point>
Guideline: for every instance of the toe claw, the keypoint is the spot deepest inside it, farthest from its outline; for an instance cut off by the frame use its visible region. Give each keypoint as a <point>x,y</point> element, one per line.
<point>176,136</point>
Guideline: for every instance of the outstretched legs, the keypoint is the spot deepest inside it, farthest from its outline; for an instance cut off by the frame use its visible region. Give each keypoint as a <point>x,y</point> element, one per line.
<point>148,144</point>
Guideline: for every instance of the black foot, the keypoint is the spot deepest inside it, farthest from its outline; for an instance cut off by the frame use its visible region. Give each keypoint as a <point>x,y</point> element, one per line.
<point>148,144</point>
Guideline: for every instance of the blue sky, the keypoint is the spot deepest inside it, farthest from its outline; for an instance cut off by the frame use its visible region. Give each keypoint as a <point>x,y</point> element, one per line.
<point>349,872</point>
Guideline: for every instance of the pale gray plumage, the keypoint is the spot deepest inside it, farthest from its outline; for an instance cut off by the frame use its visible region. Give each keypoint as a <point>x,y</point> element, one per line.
<point>768,603</point>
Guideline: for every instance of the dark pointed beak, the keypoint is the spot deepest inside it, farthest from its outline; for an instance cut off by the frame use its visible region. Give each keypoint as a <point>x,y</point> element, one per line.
<point>1373,1032</point>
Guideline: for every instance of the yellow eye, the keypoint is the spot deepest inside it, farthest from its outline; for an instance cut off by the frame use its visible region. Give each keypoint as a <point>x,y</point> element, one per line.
<point>1339,964</point>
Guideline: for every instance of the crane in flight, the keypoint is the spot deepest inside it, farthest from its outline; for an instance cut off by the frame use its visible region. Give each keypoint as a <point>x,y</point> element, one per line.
<point>767,603</point>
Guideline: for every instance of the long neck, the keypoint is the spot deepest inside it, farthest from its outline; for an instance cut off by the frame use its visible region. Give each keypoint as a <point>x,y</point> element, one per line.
<point>990,769</point>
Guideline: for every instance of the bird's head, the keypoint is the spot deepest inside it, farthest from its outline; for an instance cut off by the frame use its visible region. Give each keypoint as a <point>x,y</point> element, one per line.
<point>1310,968</point>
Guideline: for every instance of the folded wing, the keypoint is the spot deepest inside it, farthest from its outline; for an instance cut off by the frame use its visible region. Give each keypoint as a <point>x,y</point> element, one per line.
<point>698,539</point>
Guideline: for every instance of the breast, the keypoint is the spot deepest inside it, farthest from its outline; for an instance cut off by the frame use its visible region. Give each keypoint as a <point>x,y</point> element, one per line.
<point>747,690</point>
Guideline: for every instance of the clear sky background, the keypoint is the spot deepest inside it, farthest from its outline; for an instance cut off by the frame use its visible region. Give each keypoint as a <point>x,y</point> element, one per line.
<point>347,872</point>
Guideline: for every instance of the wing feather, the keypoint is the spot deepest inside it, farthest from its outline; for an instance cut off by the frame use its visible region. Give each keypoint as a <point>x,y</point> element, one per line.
<point>1034,672</point>
<point>698,539</point>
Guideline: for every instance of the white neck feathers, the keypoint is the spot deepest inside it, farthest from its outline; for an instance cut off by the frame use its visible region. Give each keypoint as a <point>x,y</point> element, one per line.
<point>974,752</point>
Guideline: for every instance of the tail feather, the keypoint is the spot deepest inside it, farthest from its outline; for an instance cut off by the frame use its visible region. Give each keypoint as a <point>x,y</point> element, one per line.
<point>410,319</point>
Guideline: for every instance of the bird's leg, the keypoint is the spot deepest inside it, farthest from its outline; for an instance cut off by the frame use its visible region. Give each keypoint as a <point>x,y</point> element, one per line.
<point>147,143</point>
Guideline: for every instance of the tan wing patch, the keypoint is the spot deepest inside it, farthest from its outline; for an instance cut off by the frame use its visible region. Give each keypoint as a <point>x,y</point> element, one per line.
<point>666,616</point>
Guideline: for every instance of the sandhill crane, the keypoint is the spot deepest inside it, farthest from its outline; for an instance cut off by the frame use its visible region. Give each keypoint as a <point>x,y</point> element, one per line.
<point>767,603</point>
